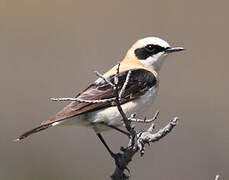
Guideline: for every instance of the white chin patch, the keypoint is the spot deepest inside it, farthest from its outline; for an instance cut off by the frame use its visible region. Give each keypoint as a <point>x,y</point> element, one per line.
<point>155,59</point>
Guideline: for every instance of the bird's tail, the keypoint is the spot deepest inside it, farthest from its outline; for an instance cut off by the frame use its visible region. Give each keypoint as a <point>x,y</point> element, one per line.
<point>35,130</point>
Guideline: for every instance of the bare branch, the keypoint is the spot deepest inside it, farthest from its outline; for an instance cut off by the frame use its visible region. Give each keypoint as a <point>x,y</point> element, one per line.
<point>84,100</point>
<point>138,143</point>
<point>137,139</point>
<point>148,136</point>
<point>118,103</point>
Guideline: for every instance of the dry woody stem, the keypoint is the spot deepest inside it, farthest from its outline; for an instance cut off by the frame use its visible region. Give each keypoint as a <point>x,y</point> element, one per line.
<point>137,139</point>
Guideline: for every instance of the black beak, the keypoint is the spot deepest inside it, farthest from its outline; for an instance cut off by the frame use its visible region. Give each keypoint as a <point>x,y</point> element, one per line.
<point>174,49</point>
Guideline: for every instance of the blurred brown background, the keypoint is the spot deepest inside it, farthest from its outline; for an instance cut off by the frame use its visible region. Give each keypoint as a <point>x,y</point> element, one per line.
<point>51,48</point>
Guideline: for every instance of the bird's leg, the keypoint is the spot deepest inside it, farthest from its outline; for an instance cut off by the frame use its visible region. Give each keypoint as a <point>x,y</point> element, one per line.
<point>119,130</point>
<point>105,144</point>
<point>116,156</point>
<point>115,128</point>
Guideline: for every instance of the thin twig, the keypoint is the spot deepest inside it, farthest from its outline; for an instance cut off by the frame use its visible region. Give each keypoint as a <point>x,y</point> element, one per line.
<point>84,100</point>
<point>105,79</point>
<point>133,119</point>
<point>118,104</point>
<point>122,92</point>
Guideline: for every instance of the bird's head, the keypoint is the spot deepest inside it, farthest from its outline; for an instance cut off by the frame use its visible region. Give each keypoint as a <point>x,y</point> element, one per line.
<point>151,51</point>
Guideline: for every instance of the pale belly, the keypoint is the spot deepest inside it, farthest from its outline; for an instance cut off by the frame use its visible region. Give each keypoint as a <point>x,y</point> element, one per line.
<point>111,115</point>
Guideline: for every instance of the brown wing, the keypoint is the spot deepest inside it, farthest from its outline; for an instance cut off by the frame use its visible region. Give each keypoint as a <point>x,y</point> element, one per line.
<point>93,92</point>
<point>139,82</point>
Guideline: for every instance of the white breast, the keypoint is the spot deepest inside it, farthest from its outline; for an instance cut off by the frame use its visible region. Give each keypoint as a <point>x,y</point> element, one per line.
<point>112,116</point>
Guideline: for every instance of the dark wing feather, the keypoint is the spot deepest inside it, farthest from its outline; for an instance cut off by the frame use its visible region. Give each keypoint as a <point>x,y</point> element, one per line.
<point>139,82</point>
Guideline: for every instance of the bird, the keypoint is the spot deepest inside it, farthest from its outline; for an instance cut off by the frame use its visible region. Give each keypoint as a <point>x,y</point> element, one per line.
<point>144,60</point>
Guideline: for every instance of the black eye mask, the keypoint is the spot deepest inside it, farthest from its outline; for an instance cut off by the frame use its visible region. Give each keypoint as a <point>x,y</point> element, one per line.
<point>147,51</point>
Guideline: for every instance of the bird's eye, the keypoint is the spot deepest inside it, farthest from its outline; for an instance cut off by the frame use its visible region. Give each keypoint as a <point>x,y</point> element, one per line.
<point>150,48</point>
